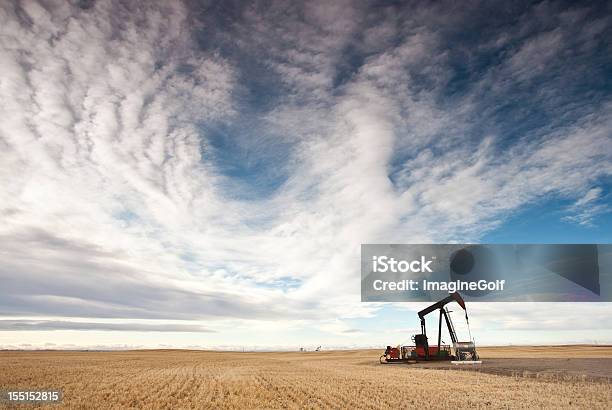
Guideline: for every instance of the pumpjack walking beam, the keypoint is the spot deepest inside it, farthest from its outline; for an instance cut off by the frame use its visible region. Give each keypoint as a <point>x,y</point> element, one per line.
<point>443,312</point>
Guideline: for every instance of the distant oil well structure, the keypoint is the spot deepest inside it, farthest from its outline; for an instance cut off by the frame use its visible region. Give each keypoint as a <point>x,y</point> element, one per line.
<point>318,349</point>
<point>458,353</point>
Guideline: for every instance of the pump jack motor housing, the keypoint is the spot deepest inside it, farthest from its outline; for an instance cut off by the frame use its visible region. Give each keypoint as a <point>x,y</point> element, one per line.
<point>422,351</point>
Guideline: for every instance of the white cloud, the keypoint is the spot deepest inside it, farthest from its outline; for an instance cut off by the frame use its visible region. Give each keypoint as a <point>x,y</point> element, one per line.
<point>114,204</point>
<point>48,325</point>
<point>587,208</point>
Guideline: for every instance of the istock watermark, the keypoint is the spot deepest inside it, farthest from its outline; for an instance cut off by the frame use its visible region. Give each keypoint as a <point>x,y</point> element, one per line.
<point>450,287</point>
<point>512,272</point>
<point>386,264</point>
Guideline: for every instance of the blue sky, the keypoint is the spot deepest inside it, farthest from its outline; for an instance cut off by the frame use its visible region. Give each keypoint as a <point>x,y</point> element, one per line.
<point>203,173</point>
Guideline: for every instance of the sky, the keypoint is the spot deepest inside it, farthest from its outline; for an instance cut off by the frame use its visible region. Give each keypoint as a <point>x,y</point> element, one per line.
<point>202,174</point>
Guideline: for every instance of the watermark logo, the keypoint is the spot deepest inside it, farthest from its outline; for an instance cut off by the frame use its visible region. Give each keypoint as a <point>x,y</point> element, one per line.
<point>547,273</point>
<point>386,264</point>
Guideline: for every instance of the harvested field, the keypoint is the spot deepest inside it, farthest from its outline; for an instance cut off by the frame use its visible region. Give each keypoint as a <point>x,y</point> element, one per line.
<point>567,351</point>
<point>587,363</point>
<point>343,379</point>
<point>593,369</point>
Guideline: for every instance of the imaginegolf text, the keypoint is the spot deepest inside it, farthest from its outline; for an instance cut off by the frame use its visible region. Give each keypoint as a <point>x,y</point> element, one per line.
<point>452,286</point>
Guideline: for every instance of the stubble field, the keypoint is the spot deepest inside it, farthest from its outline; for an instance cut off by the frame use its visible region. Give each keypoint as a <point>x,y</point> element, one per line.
<point>562,377</point>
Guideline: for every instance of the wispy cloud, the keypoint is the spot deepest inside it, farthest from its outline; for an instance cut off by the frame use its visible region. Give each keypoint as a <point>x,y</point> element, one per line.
<point>38,325</point>
<point>586,209</point>
<point>167,161</point>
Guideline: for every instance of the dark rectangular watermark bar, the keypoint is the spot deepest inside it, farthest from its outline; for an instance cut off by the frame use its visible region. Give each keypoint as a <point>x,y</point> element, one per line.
<point>487,272</point>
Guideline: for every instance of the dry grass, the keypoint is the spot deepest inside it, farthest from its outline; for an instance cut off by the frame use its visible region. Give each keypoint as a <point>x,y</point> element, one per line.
<point>352,379</point>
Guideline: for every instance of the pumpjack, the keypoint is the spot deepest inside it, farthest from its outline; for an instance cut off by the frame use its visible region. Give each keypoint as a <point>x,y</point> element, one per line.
<point>422,351</point>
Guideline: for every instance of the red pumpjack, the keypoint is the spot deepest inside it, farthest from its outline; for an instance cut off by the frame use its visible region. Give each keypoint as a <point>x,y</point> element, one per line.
<point>421,351</point>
